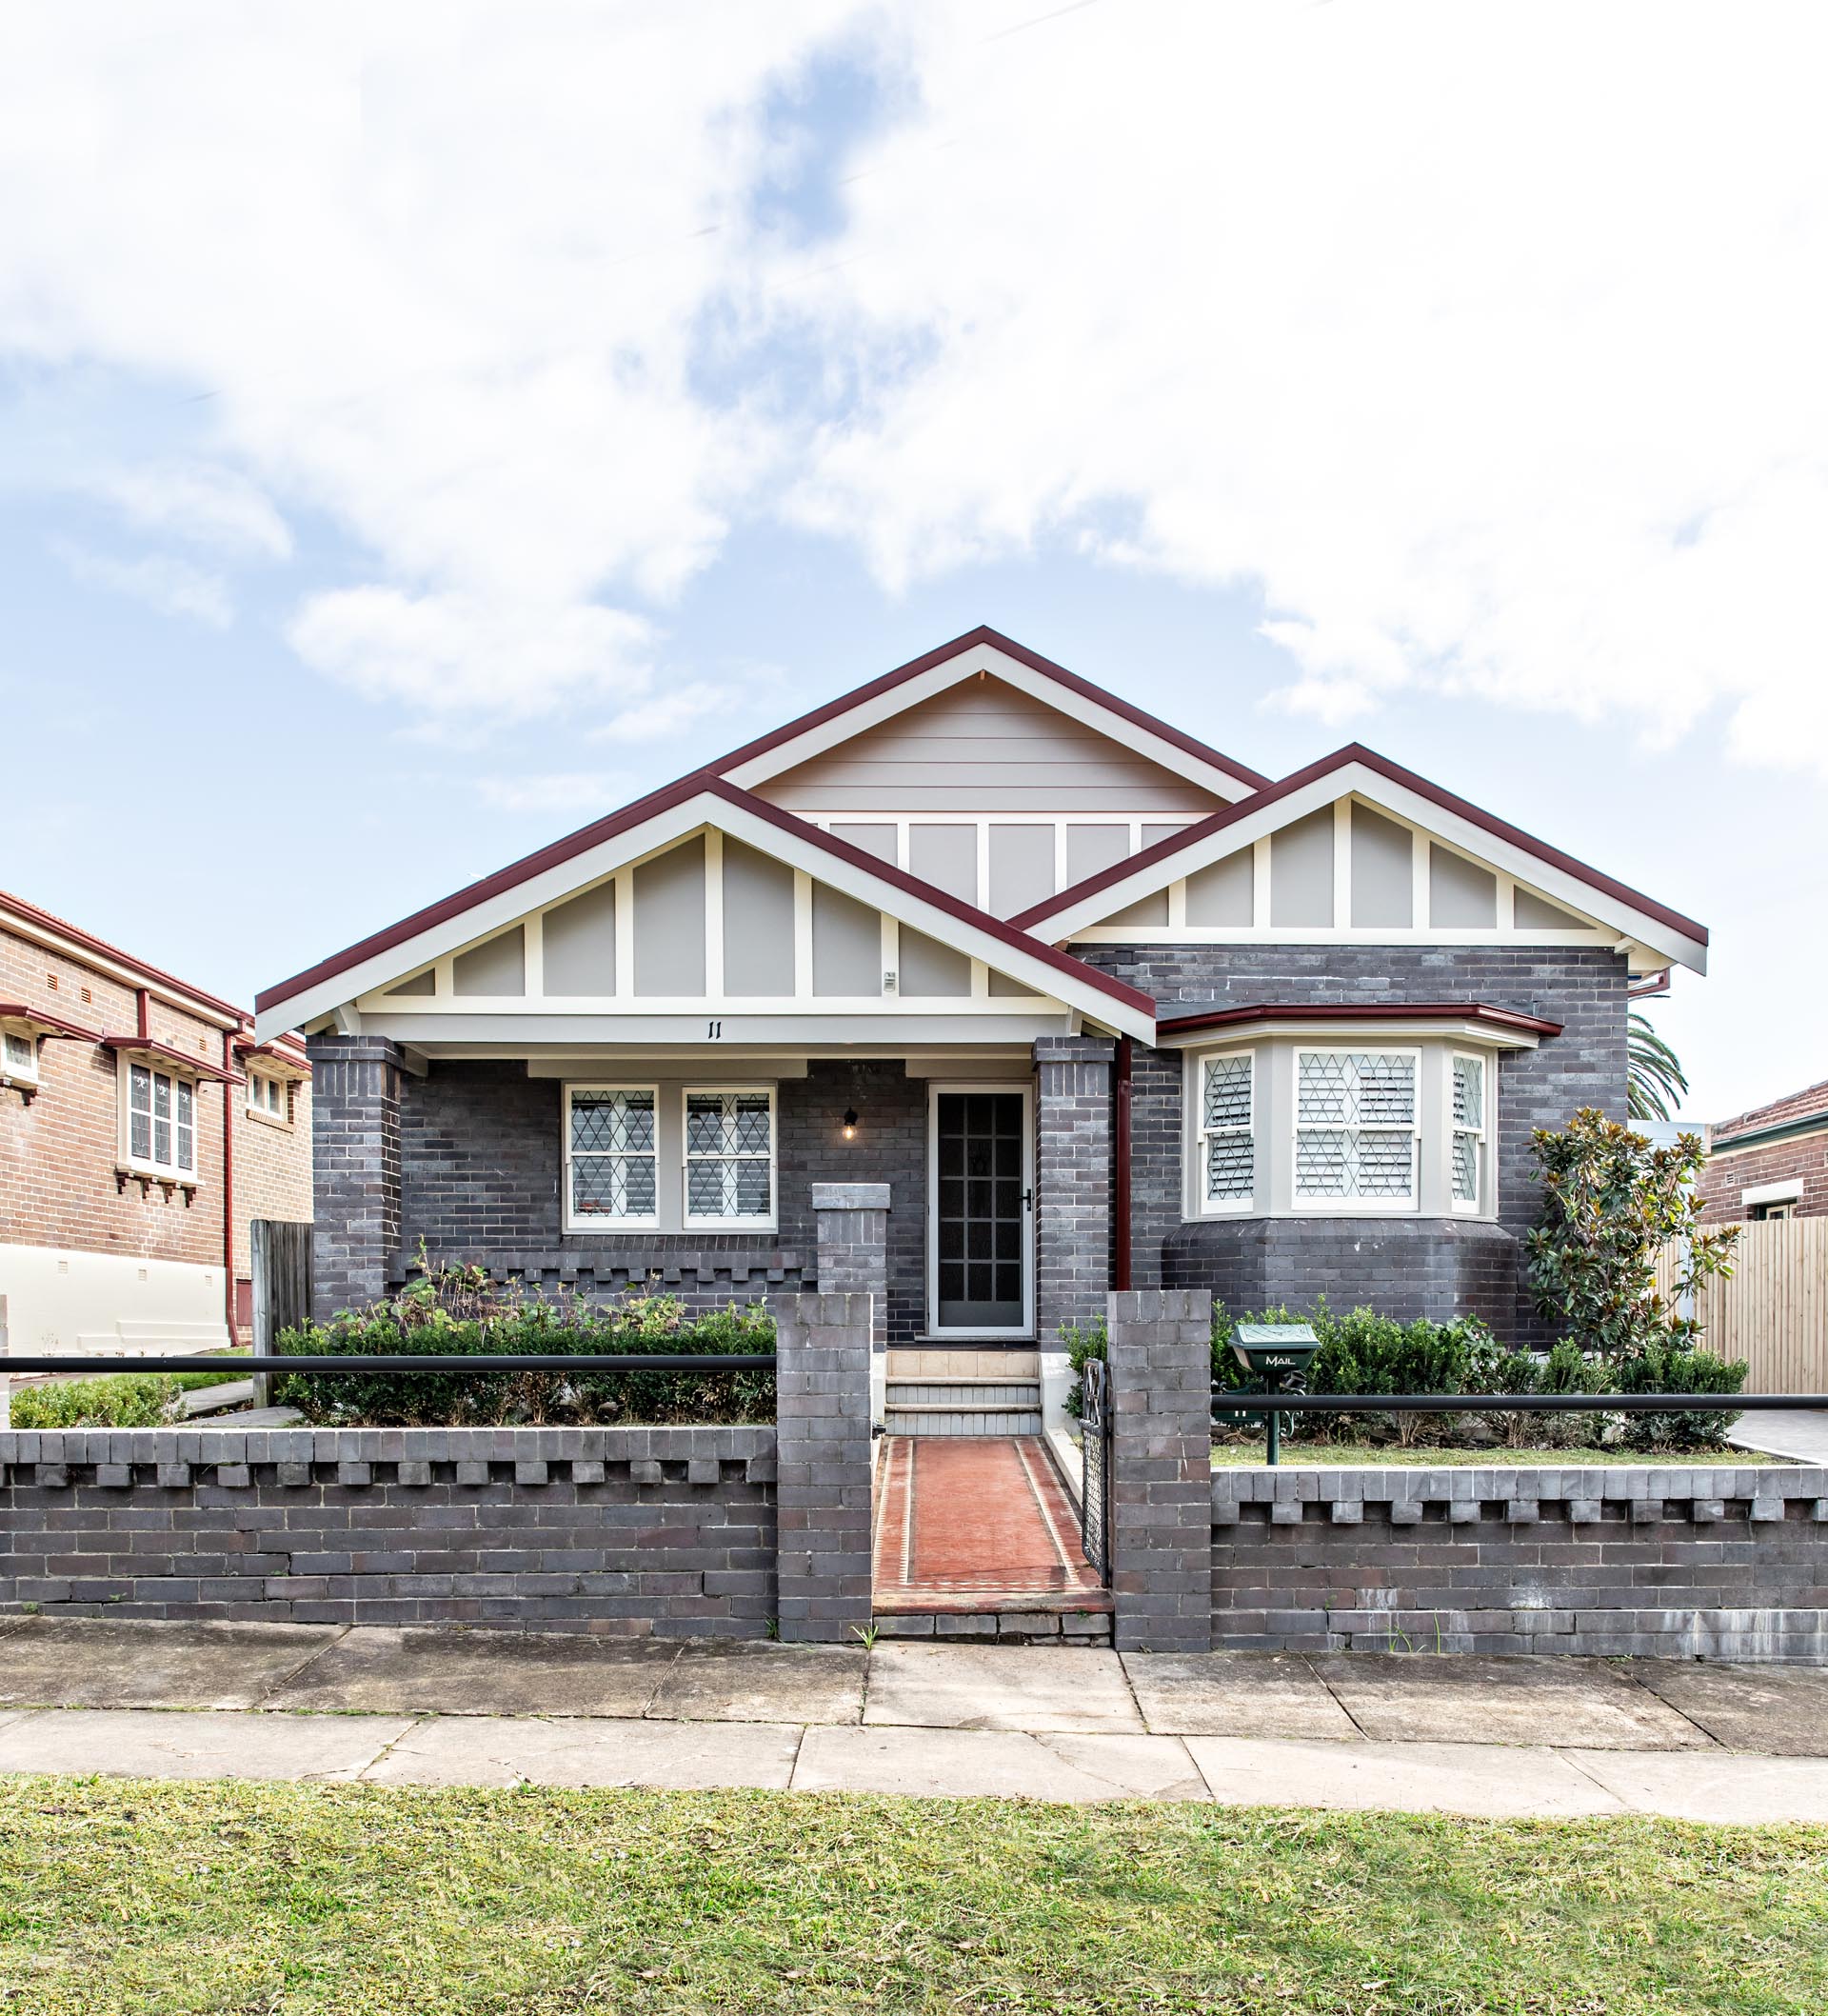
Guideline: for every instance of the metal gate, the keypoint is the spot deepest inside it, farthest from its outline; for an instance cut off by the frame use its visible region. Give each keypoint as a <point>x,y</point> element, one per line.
<point>1094,1471</point>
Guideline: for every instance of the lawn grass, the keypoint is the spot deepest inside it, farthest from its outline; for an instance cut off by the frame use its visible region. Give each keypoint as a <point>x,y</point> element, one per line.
<point>1366,1455</point>
<point>130,1899</point>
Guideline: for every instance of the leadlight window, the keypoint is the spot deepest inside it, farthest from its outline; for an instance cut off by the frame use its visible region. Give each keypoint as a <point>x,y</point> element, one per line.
<point>729,1156</point>
<point>161,1121</point>
<point>1468,1144</point>
<point>1356,1130</point>
<point>611,1173</point>
<point>1227,1145</point>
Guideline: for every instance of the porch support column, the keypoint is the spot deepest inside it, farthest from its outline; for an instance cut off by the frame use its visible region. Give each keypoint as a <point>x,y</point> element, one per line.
<point>824,1456</point>
<point>357,1089</point>
<point>1161,1372</point>
<point>1072,1180</point>
<point>852,1221</point>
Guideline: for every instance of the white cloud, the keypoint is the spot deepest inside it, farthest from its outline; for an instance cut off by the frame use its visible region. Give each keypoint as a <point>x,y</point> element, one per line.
<point>173,588</point>
<point>458,654</point>
<point>564,791</point>
<point>1486,342</point>
<point>665,714</point>
<point>201,502</point>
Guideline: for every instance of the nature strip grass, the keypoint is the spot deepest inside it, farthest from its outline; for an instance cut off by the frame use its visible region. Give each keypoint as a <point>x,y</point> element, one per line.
<point>126,1898</point>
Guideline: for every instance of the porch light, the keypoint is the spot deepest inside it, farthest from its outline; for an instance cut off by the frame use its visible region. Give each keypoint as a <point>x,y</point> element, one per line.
<point>850,1123</point>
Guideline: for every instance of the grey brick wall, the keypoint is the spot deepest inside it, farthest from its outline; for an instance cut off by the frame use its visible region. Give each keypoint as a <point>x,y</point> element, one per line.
<point>1160,1369</point>
<point>824,1496</point>
<point>1072,1179</point>
<point>481,1161</point>
<point>853,1246</point>
<point>357,1085</point>
<point>1691,1562</point>
<point>1424,1273</point>
<point>661,1531</point>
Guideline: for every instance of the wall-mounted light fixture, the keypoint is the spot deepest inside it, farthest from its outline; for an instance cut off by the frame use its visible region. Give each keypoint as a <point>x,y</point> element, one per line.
<point>850,1123</point>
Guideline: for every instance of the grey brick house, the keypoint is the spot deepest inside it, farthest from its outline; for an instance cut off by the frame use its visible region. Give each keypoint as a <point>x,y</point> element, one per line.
<point>1079,1000</point>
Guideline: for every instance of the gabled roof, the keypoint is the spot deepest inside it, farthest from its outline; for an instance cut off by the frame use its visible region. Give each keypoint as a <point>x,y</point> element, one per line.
<point>920,678</point>
<point>1809,1106</point>
<point>655,821</point>
<point>1356,768</point>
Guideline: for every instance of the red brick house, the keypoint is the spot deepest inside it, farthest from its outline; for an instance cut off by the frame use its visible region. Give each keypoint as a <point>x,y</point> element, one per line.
<point>1770,1162</point>
<point>141,1127</point>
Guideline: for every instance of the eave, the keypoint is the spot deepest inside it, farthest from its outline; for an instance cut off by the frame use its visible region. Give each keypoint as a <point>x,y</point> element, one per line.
<point>142,1050</point>
<point>1477,1021</point>
<point>42,1024</point>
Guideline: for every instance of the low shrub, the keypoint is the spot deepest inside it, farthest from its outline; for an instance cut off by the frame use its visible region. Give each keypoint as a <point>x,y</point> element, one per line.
<point>459,1312</point>
<point>128,1400</point>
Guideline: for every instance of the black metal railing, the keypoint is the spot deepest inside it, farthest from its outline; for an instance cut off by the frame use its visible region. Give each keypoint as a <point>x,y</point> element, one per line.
<point>1095,1468</point>
<point>352,1364</point>
<point>1230,1403</point>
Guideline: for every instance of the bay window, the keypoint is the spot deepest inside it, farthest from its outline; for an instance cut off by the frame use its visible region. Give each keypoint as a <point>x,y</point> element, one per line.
<point>1468,1122</point>
<point>1357,1126</point>
<point>1227,1157</point>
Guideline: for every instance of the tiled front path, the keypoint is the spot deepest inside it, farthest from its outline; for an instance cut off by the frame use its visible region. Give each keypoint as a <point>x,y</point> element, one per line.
<point>970,1527</point>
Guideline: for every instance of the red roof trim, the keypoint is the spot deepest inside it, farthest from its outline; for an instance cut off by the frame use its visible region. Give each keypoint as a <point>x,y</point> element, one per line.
<point>954,905</point>
<point>984,634</point>
<point>274,1054</point>
<point>165,1054</point>
<point>1357,753</point>
<point>1363,1011</point>
<point>53,1026</point>
<point>90,942</point>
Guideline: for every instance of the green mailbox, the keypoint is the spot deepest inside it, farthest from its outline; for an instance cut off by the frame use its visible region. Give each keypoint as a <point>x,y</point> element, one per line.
<point>1280,1354</point>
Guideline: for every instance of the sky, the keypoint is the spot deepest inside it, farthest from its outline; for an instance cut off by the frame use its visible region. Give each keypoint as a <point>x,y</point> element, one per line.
<point>423,428</point>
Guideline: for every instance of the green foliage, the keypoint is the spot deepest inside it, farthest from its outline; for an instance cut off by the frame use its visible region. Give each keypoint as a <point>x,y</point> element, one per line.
<point>1654,1079</point>
<point>1611,1202</point>
<point>136,1399</point>
<point>1664,1368</point>
<point>459,1311</point>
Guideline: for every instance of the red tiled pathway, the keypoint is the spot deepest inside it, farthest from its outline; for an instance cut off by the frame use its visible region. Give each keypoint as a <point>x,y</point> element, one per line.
<point>977,1522</point>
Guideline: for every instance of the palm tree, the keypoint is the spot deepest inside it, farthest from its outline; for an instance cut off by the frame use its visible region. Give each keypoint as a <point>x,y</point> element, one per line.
<point>1654,1074</point>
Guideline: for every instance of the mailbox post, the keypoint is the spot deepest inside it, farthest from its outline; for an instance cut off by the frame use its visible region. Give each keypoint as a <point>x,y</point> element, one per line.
<point>1279,1354</point>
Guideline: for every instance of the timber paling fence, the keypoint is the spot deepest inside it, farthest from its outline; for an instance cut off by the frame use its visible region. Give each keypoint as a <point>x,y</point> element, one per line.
<point>1771,1310</point>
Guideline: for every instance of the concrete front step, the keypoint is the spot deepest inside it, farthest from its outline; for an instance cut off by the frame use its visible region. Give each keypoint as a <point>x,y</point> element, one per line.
<point>953,1421</point>
<point>956,1362</point>
<point>966,1394</point>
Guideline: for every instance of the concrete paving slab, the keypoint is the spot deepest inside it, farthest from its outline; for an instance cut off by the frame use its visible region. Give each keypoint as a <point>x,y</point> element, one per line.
<point>148,1743</point>
<point>123,1662</point>
<point>1567,1702</point>
<point>1236,1694</point>
<point>971,1686</point>
<point>1782,1710</point>
<point>1800,1433</point>
<point>675,1756</point>
<point>1727,1791</point>
<point>382,1668</point>
<point>995,1763</point>
<point>714,1682</point>
<point>1478,1780</point>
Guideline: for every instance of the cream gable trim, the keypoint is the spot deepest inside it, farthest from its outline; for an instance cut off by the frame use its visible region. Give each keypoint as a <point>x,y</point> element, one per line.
<point>1086,920</point>
<point>359,994</point>
<point>866,714</point>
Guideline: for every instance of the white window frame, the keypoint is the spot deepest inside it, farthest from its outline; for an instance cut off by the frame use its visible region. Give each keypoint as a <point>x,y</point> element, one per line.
<point>171,1170</point>
<point>267,1097</point>
<point>766,1222</point>
<point>1462,1206</point>
<point>15,1070</point>
<point>1206,1204</point>
<point>597,1221</point>
<point>1408,1206</point>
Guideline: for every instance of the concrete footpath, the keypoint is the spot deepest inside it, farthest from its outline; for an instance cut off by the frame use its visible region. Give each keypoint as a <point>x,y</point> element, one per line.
<point>1503,1738</point>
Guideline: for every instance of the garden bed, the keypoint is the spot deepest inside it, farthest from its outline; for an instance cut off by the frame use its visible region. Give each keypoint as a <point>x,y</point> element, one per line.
<point>1365,1455</point>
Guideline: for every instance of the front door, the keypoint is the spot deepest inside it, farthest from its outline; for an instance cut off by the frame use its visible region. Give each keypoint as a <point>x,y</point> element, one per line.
<point>980,1211</point>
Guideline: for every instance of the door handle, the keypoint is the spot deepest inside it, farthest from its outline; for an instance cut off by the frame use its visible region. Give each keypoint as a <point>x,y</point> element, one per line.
<point>1028,1200</point>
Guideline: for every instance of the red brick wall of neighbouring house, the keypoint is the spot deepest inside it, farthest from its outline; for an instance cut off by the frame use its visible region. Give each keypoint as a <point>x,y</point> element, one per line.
<point>1729,1171</point>
<point>59,1153</point>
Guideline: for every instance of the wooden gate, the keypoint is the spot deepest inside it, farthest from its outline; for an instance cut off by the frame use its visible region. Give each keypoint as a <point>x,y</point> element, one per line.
<point>281,1257</point>
<point>1771,1310</point>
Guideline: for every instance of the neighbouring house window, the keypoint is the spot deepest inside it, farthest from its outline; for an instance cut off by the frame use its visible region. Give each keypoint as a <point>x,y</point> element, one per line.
<point>19,1055</point>
<point>729,1156</point>
<point>610,1153</point>
<point>1227,1145</point>
<point>1356,1127</point>
<point>266,1095</point>
<point>161,1121</point>
<point>1468,1145</point>
<point>1786,1208</point>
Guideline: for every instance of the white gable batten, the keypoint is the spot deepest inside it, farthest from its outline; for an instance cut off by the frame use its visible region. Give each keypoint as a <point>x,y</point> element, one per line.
<point>1109,913</point>
<point>366,993</point>
<point>755,772</point>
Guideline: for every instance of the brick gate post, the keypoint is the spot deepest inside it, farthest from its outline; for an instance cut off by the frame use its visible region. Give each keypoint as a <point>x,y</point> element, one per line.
<point>823,1488</point>
<point>852,1220</point>
<point>357,1089</point>
<point>1160,1370</point>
